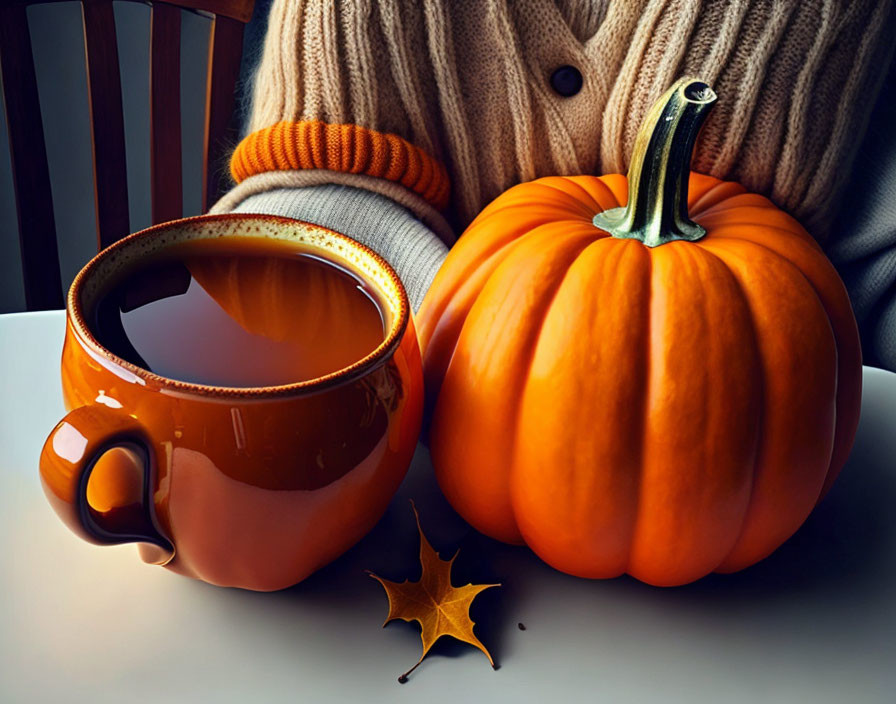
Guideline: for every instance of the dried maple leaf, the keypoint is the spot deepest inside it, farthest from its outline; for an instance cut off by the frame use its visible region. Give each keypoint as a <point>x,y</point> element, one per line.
<point>440,608</point>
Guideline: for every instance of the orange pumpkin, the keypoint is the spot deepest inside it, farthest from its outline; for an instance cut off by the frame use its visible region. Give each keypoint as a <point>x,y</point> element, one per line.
<point>664,389</point>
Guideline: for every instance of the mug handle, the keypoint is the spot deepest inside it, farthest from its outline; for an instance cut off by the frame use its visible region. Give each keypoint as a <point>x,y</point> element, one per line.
<point>69,455</point>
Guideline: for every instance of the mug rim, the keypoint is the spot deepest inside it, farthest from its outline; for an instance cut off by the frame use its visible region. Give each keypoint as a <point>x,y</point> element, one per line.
<point>75,314</point>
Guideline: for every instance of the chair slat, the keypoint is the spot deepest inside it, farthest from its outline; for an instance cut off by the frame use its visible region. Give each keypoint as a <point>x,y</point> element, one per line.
<point>31,178</point>
<point>225,49</point>
<point>107,121</point>
<point>164,113</point>
<point>234,9</point>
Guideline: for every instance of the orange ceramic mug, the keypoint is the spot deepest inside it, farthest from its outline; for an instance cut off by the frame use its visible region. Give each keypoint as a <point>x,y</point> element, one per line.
<point>247,487</point>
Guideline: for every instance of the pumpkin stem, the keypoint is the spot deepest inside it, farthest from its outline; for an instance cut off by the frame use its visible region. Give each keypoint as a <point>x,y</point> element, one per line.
<point>657,209</point>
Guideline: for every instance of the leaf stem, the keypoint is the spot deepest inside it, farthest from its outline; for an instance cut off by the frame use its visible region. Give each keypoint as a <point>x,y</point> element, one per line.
<point>404,678</point>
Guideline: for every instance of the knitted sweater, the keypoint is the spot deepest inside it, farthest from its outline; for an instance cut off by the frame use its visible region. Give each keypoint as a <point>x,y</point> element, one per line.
<point>403,98</point>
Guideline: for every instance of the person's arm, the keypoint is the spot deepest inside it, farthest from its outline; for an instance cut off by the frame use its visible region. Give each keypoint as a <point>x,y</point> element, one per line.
<point>863,242</point>
<point>413,250</point>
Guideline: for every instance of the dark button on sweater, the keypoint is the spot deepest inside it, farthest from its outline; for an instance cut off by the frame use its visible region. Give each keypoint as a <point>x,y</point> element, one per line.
<point>566,81</point>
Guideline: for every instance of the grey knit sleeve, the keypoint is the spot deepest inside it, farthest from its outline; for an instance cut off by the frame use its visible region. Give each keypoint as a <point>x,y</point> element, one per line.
<point>413,250</point>
<point>863,245</point>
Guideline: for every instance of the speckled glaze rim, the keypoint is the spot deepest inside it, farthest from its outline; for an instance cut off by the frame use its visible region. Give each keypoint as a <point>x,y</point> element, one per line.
<point>366,263</point>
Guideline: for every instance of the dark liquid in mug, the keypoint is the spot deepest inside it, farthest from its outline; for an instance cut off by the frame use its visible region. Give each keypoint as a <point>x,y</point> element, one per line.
<point>239,312</point>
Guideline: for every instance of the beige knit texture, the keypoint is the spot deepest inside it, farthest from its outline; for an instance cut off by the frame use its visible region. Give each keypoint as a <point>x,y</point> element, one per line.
<point>469,82</point>
<point>271,180</point>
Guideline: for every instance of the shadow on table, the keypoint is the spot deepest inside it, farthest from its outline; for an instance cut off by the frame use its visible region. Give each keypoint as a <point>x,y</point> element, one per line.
<point>842,554</point>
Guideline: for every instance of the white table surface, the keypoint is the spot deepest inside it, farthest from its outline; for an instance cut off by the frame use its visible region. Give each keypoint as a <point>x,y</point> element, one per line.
<point>814,622</point>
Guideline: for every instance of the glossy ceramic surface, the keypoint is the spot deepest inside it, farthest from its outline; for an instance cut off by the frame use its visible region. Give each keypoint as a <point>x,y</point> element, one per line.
<point>256,487</point>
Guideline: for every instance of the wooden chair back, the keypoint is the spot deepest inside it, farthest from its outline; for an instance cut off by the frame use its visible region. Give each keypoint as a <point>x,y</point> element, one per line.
<point>28,154</point>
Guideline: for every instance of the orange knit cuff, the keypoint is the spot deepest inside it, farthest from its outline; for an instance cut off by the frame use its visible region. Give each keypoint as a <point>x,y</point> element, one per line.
<point>311,144</point>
